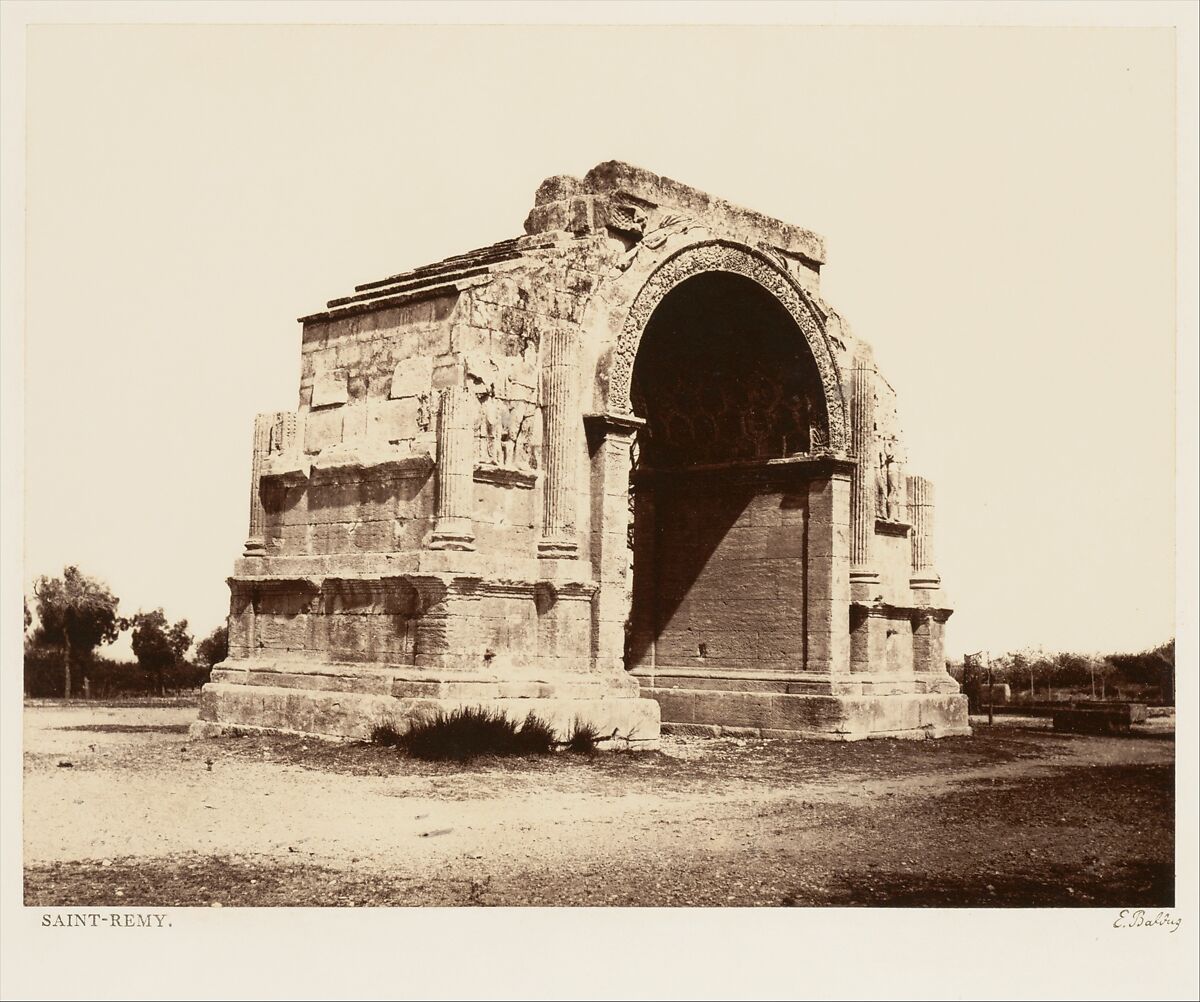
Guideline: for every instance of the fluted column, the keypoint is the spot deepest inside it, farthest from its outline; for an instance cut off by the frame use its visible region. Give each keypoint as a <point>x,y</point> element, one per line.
<point>453,529</point>
<point>862,481</point>
<point>256,543</point>
<point>559,443</point>
<point>920,514</point>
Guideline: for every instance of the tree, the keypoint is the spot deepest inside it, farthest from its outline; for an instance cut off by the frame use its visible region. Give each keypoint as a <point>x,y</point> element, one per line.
<point>77,613</point>
<point>1022,665</point>
<point>214,648</point>
<point>158,646</point>
<point>1154,666</point>
<point>1074,669</point>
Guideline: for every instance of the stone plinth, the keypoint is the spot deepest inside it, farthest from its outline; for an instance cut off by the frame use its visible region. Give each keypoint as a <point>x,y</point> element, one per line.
<point>344,701</point>
<point>832,717</point>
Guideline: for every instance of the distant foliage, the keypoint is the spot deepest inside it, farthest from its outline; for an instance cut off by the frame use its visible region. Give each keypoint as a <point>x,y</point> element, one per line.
<point>214,648</point>
<point>157,645</point>
<point>1148,666</point>
<point>1147,676</point>
<point>76,614</point>
<point>43,672</point>
<point>107,679</point>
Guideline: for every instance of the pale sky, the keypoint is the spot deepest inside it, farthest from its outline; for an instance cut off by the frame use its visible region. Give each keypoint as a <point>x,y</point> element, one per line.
<point>998,207</point>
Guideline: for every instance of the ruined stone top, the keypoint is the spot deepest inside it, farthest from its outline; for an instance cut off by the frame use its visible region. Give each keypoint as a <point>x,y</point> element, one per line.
<point>621,184</point>
<point>613,197</point>
<point>451,274</point>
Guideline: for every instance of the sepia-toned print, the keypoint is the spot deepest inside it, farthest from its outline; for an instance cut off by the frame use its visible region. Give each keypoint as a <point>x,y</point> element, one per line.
<point>723,474</point>
<point>428,579</point>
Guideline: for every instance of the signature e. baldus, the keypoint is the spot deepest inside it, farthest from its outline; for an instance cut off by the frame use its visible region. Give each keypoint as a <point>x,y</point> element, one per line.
<point>1139,918</point>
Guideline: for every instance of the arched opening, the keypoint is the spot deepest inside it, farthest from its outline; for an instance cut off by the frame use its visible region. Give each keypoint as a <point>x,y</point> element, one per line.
<point>733,405</point>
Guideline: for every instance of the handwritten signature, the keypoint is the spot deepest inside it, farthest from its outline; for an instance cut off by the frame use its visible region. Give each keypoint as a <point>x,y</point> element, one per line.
<point>1139,918</point>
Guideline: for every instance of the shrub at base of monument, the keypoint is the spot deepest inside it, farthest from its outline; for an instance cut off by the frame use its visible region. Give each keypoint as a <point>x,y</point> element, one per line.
<point>583,739</point>
<point>473,732</point>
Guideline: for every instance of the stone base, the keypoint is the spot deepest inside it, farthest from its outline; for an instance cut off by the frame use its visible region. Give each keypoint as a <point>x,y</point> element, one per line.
<point>713,712</point>
<point>348,701</point>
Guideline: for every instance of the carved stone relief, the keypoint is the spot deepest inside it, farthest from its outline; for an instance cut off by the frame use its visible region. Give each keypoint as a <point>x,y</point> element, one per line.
<point>660,225</point>
<point>505,432</point>
<point>282,433</point>
<point>424,412</point>
<point>714,415</point>
<point>889,483</point>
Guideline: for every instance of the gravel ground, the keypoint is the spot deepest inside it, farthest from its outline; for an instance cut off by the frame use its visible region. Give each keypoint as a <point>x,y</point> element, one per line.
<point>123,808</point>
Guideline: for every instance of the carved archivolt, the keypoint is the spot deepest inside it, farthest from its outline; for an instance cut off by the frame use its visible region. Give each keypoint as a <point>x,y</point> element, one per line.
<point>720,256</point>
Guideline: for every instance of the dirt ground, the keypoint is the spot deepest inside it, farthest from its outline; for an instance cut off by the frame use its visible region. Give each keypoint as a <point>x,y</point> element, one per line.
<point>121,807</point>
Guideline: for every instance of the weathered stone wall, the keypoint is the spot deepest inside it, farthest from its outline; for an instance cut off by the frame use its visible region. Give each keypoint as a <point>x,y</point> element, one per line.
<point>893,559</point>
<point>728,579</point>
<point>739,574</point>
<point>367,378</point>
<point>378,509</point>
<point>447,514</point>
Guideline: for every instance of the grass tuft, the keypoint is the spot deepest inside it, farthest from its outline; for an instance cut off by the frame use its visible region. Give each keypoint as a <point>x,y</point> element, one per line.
<point>466,733</point>
<point>386,736</point>
<point>583,738</point>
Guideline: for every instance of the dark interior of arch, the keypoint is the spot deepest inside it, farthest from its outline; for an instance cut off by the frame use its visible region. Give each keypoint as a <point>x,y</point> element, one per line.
<point>724,379</point>
<point>724,374</point>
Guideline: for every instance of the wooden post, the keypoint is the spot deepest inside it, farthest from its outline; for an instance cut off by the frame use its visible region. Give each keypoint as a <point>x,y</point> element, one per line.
<point>988,661</point>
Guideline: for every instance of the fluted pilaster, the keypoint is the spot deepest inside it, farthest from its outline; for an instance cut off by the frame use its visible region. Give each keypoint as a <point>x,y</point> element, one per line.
<point>453,529</point>
<point>920,514</point>
<point>255,542</point>
<point>561,421</point>
<point>862,481</point>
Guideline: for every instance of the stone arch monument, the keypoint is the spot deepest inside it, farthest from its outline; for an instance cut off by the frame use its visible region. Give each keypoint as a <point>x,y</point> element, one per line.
<point>628,467</point>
